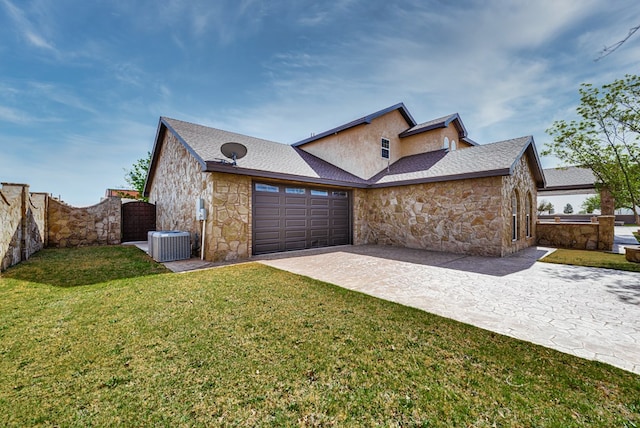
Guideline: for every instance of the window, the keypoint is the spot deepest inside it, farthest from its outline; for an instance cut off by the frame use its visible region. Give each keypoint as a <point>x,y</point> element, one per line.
<point>295,190</point>
<point>528,216</point>
<point>454,146</point>
<point>445,144</point>
<point>319,192</point>
<point>385,148</point>
<point>261,187</point>
<point>339,194</point>
<point>514,216</point>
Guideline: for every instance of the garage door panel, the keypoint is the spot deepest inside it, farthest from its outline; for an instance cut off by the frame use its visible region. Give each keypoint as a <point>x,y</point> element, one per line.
<point>270,247</point>
<point>292,218</point>
<point>300,212</point>
<point>319,222</point>
<point>267,198</point>
<point>302,222</point>
<point>295,234</point>
<point>267,235</point>
<point>261,224</point>
<point>315,212</point>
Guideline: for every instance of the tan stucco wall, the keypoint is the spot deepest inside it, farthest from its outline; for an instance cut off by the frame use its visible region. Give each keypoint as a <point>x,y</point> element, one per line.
<point>357,150</point>
<point>456,216</point>
<point>429,141</point>
<point>179,182</point>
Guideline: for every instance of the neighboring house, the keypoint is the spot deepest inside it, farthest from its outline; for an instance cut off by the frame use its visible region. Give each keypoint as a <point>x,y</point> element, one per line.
<point>381,179</point>
<point>126,194</point>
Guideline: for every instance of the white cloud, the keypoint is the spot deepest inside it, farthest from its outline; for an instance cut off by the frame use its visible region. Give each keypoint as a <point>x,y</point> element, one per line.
<point>26,28</point>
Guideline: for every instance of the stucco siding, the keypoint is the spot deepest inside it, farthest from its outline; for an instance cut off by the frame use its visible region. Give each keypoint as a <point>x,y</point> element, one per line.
<point>357,150</point>
<point>429,141</point>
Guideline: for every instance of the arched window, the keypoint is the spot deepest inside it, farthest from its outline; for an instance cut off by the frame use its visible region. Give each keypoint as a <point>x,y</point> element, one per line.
<point>528,215</point>
<point>514,216</point>
<point>454,145</point>
<point>445,144</point>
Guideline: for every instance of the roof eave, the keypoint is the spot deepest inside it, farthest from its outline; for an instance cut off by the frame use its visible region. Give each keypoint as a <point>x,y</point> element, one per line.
<point>362,121</point>
<point>213,166</point>
<point>163,126</point>
<point>479,174</point>
<point>529,149</point>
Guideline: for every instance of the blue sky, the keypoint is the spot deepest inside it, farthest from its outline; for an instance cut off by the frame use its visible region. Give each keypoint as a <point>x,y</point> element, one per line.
<point>83,83</point>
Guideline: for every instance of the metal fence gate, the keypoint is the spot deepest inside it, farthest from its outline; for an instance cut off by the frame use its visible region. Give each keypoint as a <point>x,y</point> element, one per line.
<point>138,218</point>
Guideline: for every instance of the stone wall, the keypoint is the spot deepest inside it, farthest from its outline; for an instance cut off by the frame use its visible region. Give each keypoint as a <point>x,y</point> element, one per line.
<point>229,223</point>
<point>179,182</point>
<point>578,235</point>
<point>462,216</point>
<point>22,223</point>
<point>523,184</point>
<point>95,225</point>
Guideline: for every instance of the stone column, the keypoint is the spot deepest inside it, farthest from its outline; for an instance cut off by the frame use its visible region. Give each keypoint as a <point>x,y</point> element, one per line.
<point>607,202</point>
<point>606,232</point>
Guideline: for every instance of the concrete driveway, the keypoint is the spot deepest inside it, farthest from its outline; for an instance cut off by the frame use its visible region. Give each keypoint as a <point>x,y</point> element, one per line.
<point>588,312</point>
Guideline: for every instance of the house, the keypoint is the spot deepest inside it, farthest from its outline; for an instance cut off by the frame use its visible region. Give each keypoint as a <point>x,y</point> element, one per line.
<point>381,179</point>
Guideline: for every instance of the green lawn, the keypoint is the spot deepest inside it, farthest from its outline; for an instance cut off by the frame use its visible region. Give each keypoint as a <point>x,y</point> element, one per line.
<point>598,259</point>
<point>249,345</point>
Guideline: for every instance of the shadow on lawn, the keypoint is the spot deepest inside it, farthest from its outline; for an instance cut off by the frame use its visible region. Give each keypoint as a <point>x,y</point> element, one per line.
<point>73,267</point>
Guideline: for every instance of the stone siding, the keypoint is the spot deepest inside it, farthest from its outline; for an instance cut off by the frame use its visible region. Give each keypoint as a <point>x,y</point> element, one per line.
<point>22,223</point>
<point>470,216</point>
<point>523,183</point>
<point>98,224</point>
<point>580,236</point>
<point>229,223</point>
<point>179,182</point>
<point>456,216</point>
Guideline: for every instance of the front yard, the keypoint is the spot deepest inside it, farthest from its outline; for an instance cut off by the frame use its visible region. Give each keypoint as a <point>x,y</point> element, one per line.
<point>104,336</point>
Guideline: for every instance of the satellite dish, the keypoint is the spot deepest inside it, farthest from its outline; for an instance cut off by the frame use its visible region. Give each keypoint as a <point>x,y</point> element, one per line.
<point>233,151</point>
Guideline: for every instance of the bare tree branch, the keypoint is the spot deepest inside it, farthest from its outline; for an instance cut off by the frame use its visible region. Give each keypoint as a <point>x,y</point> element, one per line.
<point>610,49</point>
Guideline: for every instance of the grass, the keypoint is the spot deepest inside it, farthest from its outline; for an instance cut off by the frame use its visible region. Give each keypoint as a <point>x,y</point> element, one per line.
<point>597,259</point>
<point>249,345</point>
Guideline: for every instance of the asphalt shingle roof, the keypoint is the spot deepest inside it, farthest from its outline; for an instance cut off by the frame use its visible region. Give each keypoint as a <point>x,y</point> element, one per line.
<point>569,177</point>
<point>270,159</point>
<point>478,161</point>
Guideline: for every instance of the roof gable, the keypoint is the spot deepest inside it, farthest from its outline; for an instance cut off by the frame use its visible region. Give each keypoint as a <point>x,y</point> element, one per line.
<point>487,160</point>
<point>361,121</point>
<point>441,122</point>
<point>269,159</point>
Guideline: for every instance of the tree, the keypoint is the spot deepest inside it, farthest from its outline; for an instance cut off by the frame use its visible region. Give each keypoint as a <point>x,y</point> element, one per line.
<point>605,139</point>
<point>591,204</point>
<point>568,209</point>
<point>137,176</point>
<point>607,50</point>
<point>545,206</point>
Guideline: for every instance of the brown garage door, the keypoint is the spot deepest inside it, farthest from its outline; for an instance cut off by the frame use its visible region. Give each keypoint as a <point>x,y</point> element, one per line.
<point>289,217</point>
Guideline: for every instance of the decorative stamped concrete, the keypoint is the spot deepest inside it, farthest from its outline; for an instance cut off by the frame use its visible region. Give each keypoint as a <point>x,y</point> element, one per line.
<point>591,313</point>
